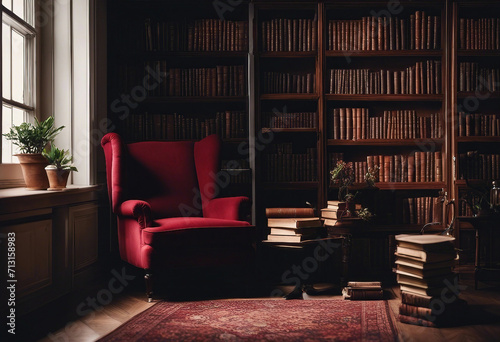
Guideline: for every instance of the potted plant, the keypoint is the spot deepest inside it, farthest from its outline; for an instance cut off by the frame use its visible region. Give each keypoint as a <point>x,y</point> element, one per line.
<point>31,140</point>
<point>60,166</point>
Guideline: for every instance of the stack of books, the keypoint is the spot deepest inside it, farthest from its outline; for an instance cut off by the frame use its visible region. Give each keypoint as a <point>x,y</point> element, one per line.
<point>332,212</point>
<point>429,288</point>
<point>337,211</point>
<point>293,225</point>
<point>363,290</point>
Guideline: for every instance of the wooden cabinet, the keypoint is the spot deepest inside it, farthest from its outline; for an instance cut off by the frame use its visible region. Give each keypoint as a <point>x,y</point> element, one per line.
<point>55,241</point>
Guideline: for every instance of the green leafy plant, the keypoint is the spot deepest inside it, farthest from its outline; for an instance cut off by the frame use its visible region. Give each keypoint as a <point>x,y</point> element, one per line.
<point>59,158</point>
<point>32,138</point>
<point>342,176</point>
<point>364,214</point>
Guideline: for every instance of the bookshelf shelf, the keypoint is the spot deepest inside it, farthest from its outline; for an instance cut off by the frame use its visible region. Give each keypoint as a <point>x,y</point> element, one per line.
<point>292,97</point>
<point>383,142</point>
<point>478,53</point>
<point>480,94</point>
<point>400,186</point>
<point>289,130</point>
<point>195,99</point>
<point>288,54</point>
<point>383,53</point>
<point>478,139</point>
<point>290,186</point>
<point>383,97</point>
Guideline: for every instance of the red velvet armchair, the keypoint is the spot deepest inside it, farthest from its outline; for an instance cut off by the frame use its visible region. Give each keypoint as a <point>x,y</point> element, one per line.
<point>164,195</point>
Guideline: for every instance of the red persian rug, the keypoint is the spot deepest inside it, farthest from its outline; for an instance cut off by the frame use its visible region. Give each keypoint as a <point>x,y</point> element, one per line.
<point>261,320</point>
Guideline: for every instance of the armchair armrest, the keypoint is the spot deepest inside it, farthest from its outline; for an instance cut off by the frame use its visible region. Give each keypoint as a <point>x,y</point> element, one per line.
<point>138,209</point>
<point>229,208</point>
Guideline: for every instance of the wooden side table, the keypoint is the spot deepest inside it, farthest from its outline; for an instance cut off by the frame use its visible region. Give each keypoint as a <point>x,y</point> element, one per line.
<point>304,259</point>
<point>487,229</point>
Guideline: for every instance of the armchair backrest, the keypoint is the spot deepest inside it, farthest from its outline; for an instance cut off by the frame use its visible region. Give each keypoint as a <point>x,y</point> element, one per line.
<point>175,177</point>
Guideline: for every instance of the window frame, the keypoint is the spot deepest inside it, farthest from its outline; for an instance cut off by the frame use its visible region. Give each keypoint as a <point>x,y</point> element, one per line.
<point>25,29</point>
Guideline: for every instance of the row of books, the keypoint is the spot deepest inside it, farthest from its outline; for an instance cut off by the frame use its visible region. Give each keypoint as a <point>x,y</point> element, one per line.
<point>355,123</point>
<point>421,78</point>
<point>147,126</point>
<point>424,273</point>
<point>418,32</point>
<point>473,78</point>
<point>282,83</point>
<point>289,34</point>
<point>475,165</point>
<point>290,167</point>
<point>198,35</point>
<point>153,78</point>
<point>479,34</point>
<point>415,167</point>
<point>422,210</point>
<point>222,80</point>
<point>293,225</point>
<point>485,125</point>
<point>290,120</point>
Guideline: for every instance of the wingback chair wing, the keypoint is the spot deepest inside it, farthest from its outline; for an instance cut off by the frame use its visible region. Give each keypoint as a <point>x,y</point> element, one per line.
<point>164,195</point>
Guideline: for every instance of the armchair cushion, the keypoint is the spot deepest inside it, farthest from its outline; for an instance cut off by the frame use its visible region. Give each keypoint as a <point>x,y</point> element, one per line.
<point>195,231</point>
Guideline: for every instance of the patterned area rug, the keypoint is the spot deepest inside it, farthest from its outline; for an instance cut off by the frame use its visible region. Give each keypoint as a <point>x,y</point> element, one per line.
<point>261,320</point>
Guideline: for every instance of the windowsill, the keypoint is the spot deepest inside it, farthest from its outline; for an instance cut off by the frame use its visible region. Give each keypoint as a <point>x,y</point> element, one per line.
<point>20,199</point>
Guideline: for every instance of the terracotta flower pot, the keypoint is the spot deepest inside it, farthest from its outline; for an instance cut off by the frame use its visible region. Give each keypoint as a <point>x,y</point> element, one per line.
<point>33,166</point>
<point>58,178</point>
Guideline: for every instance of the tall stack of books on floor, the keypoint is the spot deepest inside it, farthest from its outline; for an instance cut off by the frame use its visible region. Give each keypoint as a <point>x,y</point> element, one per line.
<point>429,288</point>
<point>362,290</point>
<point>293,225</point>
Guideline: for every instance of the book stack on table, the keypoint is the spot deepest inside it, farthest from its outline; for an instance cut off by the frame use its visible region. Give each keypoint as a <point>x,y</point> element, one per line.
<point>336,211</point>
<point>429,288</point>
<point>363,290</point>
<point>333,211</point>
<point>293,225</point>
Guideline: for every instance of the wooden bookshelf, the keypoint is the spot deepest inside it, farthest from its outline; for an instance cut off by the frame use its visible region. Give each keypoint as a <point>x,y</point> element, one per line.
<point>391,62</point>
<point>273,46</point>
<point>475,138</point>
<point>288,45</point>
<point>177,71</point>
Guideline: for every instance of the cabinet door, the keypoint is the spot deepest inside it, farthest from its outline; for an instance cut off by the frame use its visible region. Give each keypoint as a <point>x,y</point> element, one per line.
<point>84,222</point>
<point>33,255</point>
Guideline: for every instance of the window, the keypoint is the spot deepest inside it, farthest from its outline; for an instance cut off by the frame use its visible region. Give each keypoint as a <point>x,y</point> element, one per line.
<point>18,69</point>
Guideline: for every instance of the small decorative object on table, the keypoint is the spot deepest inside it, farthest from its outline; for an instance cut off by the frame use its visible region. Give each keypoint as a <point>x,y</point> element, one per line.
<point>343,176</point>
<point>59,168</point>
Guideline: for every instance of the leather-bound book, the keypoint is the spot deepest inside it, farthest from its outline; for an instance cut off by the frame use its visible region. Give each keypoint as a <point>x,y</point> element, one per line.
<point>387,168</point>
<point>418,29</point>
<point>349,120</point>
<point>423,28</point>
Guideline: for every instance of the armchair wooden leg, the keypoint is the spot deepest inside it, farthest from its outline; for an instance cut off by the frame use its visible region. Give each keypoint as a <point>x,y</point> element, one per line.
<point>148,277</point>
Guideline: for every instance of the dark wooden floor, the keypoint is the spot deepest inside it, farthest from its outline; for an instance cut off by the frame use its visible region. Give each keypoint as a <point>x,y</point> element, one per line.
<point>484,326</point>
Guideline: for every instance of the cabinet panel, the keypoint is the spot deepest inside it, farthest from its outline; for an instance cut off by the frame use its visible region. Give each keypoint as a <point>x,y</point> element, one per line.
<point>33,255</point>
<point>84,221</point>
